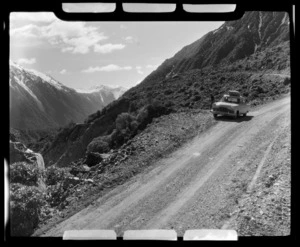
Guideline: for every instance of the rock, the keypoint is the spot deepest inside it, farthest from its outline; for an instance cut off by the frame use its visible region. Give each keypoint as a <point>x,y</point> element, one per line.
<point>86,168</point>
<point>93,159</point>
<point>89,180</point>
<point>105,156</point>
<point>80,169</point>
<point>71,181</point>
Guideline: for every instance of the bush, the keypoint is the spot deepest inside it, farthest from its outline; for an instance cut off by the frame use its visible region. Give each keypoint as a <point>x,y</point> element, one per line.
<point>100,144</point>
<point>132,107</point>
<point>57,181</point>
<point>24,173</point>
<point>55,175</point>
<point>25,208</point>
<point>123,121</point>
<point>126,127</point>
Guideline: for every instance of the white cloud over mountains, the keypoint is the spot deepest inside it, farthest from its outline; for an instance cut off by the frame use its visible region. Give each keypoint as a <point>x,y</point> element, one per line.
<point>139,70</point>
<point>107,68</point>
<point>130,39</point>
<point>107,48</point>
<point>150,66</point>
<point>63,71</point>
<point>26,61</point>
<point>73,37</point>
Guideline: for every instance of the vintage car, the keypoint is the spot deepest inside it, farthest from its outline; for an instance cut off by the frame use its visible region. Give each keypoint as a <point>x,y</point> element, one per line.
<point>231,104</point>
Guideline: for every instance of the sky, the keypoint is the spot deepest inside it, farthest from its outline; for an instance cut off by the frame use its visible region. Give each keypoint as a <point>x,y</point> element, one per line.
<point>85,54</point>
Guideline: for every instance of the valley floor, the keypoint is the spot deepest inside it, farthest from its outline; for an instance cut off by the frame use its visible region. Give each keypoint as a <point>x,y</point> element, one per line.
<point>235,175</point>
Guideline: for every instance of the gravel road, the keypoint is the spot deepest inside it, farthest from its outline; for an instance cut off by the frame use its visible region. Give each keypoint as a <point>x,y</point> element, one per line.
<point>198,186</point>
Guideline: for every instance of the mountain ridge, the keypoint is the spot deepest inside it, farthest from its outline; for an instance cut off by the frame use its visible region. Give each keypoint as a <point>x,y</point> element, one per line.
<point>232,41</point>
<point>38,101</point>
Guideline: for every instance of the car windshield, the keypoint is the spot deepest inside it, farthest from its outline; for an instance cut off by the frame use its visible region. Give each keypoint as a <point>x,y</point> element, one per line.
<point>230,99</point>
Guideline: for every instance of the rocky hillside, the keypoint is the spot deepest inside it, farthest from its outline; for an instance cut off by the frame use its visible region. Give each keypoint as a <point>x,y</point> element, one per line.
<point>251,55</point>
<point>234,40</point>
<point>38,101</point>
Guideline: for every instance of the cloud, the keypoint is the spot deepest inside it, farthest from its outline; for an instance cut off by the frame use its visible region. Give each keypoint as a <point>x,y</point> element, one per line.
<point>107,48</point>
<point>130,39</point>
<point>27,31</point>
<point>63,71</point>
<point>26,61</point>
<point>73,37</point>
<point>139,70</point>
<point>107,68</point>
<point>150,66</point>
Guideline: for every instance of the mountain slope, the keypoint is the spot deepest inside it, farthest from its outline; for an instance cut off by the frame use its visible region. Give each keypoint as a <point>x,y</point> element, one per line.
<point>251,55</point>
<point>37,101</point>
<point>234,40</point>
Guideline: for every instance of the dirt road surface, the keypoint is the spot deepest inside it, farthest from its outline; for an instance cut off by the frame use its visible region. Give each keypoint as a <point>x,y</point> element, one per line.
<point>193,187</point>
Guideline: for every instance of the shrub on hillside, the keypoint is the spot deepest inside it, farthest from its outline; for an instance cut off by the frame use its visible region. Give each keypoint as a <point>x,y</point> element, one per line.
<point>123,121</point>
<point>126,127</point>
<point>58,183</point>
<point>24,173</point>
<point>132,106</point>
<point>25,208</point>
<point>99,144</point>
<point>153,110</point>
<point>55,175</point>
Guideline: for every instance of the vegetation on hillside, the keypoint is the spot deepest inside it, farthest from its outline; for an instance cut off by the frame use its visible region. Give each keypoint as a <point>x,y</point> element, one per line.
<point>29,205</point>
<point>263,75</point>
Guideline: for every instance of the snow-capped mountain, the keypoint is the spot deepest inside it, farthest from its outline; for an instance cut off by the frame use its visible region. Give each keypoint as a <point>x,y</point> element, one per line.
<point>37,101</point>
<point>105,90</point>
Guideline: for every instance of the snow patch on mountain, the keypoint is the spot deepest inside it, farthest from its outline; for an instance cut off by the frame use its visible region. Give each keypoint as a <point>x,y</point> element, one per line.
<point>27,89</point>
<point>48,79</point>
<point>36,74</point>
<point>116,91</point>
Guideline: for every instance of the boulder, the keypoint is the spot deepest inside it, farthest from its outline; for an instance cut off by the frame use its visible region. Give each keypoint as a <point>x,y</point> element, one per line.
<point>76,169</point>
<point>71,181</point>
<point>105,156</point>
<point>92,159</point>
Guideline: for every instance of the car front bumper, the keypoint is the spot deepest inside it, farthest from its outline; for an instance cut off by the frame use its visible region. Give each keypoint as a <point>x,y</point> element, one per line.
<point>223,113</point>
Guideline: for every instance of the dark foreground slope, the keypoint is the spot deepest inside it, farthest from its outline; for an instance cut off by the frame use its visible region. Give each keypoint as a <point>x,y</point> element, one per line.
<point>251,55</point>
